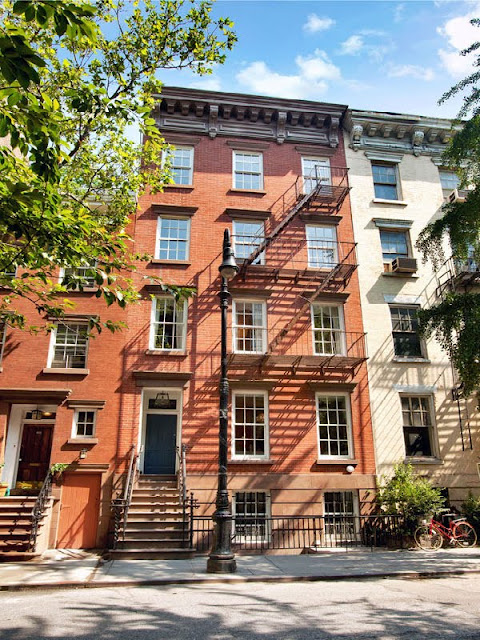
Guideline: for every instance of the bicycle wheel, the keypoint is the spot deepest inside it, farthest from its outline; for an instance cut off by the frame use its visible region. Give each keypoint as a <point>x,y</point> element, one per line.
<point>464,535</point>
<point>428,540</point>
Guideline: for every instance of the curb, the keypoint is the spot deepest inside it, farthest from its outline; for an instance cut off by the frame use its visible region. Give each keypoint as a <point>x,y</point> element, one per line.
<point>405,575</point>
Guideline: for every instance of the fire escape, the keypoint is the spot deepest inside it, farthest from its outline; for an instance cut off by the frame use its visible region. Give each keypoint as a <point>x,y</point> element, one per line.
<point>455,276</point>
<point>311,269</point>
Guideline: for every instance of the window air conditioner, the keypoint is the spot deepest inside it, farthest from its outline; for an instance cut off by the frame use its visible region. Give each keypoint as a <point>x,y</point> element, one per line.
<point>457,195</point>
<point>404,265</point>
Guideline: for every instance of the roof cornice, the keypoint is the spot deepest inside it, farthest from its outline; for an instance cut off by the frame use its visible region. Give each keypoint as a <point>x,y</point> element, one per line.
<point>398,132</point>
<point>238,115</point>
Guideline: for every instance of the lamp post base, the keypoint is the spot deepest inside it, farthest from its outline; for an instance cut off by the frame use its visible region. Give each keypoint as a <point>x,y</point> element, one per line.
<point>219,564</point>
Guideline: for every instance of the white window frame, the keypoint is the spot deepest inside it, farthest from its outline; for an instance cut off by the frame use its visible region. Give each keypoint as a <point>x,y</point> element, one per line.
<point>53,341</point>
<point>86,278</point>
<point>406,233</point>
<point>236,173</point>
<point>3,338</point>
<point>75,422</point>
<point>266,446</point>
<point>263,329</point>
<point>169,155</point>
<point>432,428</point>
<point>342,536</point>
<point>343,345</point>
<point>348,407</point>
<point>314,245</point>
<point>422,345</point>
<point>324,179</point>
<point>261,257</point>
<point>268,514</point>
<point>154,323</point>
<point>442,172</point>
<point>398,186</point>
<point>159,238</point>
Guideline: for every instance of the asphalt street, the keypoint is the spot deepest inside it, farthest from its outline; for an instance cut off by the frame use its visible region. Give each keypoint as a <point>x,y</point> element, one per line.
<point>365,609</point>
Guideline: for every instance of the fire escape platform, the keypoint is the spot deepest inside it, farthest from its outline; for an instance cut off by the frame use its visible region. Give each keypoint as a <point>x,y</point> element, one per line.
<point>298,363</point>
<point>342,275</point>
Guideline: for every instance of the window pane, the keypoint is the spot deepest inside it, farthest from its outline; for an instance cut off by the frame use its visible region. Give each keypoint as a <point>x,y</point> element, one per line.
<point>394,244</point>
<point>417,425</point>
<point>173,238</point>
<point>328,330</point>
<point>333,426</point>
<point>251,515</point>
<point>70,348</point>
<point>249,424</point>
<point>322,246</point>
<point>248,171</point>
<point>247,236</point>
<point>169,324</point>
<point>385,181</point>
<point>249,330</point>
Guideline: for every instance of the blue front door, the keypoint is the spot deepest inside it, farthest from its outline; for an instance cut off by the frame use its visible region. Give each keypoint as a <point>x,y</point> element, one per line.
<point>160,444</point>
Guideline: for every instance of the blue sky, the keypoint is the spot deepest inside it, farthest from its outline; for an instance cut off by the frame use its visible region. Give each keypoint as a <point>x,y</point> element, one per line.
<point>380,55</point>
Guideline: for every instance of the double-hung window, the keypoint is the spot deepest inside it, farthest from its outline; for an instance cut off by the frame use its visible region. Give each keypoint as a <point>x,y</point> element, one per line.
<point>251,510</point>
<point>247,236</point>
<point>322,246</point>
<point>84,423</point>
<point>395,244</point>
<point>181,165</point>
<point>249,326</point>
<point>406,339</point>
<point>328,333</point>
<point>339,512</point>
<point>417,426</point>
<point>173,238</point>
<point>80,277</point>
<point>316,171</point>
<point>385,181</point>
<point>169,324</point>
<point>247,170</point>
<point>449,181</point>
<point>3,337</point>
<point>334,426</point>
<point>250,425</point>
<point>69,346</point>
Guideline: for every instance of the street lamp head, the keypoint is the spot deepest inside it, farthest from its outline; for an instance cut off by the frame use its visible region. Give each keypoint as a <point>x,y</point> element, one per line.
<point>229,268</point>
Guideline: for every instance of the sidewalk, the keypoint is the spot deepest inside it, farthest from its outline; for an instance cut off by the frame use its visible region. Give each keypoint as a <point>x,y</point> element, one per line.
<point>83,570</point>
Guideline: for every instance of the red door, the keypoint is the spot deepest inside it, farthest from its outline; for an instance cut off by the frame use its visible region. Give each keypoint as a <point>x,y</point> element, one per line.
<point>35,452</point>
<point>79,511</point>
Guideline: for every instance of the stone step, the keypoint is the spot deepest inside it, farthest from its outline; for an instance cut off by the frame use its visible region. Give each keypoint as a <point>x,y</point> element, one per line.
<point>158,477</point>
<point>167,492</point>
<point>153,516</point>
<point>150,534</point>
<point>149,507</point>
<point>151,554</point>
<point>154,524</point>
<point>15,534</point>
<point>151,543</point>
<point>12,520</point>
<point>17,556</point>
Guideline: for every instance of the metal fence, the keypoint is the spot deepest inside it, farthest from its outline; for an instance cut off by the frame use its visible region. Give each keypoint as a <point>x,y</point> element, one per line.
<point>302,532</point>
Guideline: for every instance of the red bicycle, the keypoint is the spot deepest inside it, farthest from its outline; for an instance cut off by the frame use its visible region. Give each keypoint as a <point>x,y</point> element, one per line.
<point>430,536</point>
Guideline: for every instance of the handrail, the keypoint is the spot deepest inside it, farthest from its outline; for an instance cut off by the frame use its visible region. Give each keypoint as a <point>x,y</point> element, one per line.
<point>182,472</point>
<point>39,509</point>
<point>121,506</point>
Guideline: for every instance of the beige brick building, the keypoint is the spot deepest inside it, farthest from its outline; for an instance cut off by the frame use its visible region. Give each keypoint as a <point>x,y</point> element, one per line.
<point>398,186</point>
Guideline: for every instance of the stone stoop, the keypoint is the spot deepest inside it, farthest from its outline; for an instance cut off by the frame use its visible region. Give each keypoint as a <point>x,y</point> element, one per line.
<point>155,528</point>
<point>15,528</point>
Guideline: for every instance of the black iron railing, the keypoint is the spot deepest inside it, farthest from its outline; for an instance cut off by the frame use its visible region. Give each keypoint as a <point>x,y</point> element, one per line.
<point>38,510</point>
<point>120,506</point>
<point>308,533</point>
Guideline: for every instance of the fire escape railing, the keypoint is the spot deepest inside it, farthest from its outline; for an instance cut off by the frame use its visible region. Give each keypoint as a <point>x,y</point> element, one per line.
<point>38,510</point>
<point>120,506</point>
<point>332,190</point>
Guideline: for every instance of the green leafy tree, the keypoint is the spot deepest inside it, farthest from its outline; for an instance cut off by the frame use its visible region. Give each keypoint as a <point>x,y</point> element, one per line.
<point>455,320</point>
<point>409,495</point>
<point>74,76</point>
<point>471,509</point>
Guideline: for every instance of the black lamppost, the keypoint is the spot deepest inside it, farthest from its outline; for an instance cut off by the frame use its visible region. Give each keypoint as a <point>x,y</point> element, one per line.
<point>222,559</point>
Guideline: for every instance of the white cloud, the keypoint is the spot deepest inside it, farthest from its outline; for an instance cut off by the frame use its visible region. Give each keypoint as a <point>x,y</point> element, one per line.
<point>459,34</point>
<point>310,81</point>
<point>314,23</point>
<point>398,12</point>
<point>209,83</point>
<point>411,70</point>
<point>352,46</point>
<point>356,44</point>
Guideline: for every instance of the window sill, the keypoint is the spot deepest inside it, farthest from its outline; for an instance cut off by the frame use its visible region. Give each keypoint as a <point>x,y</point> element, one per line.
<point>82,441</point>
<point>251,461</point>
<point>188,187</point>
<point>165,352</point>
<point>171,263</point>
<point>394,274</point>
<point>419,460</point>
<point>399,203</point>
<point>254,191</point>
<point>336,461</point>
<point>410,360</point>
<point>84,290</point>
<point>66,372</point>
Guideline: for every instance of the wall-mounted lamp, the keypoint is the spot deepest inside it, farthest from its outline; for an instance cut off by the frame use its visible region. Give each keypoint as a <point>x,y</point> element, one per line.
<point>350,469</point>
<point>83,454</point>
<point>162,400</point>
<point>36,414</point>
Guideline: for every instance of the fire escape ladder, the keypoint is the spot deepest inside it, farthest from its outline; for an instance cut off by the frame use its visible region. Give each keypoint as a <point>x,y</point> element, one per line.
<point>327,278</point>
<point>300,201</point>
